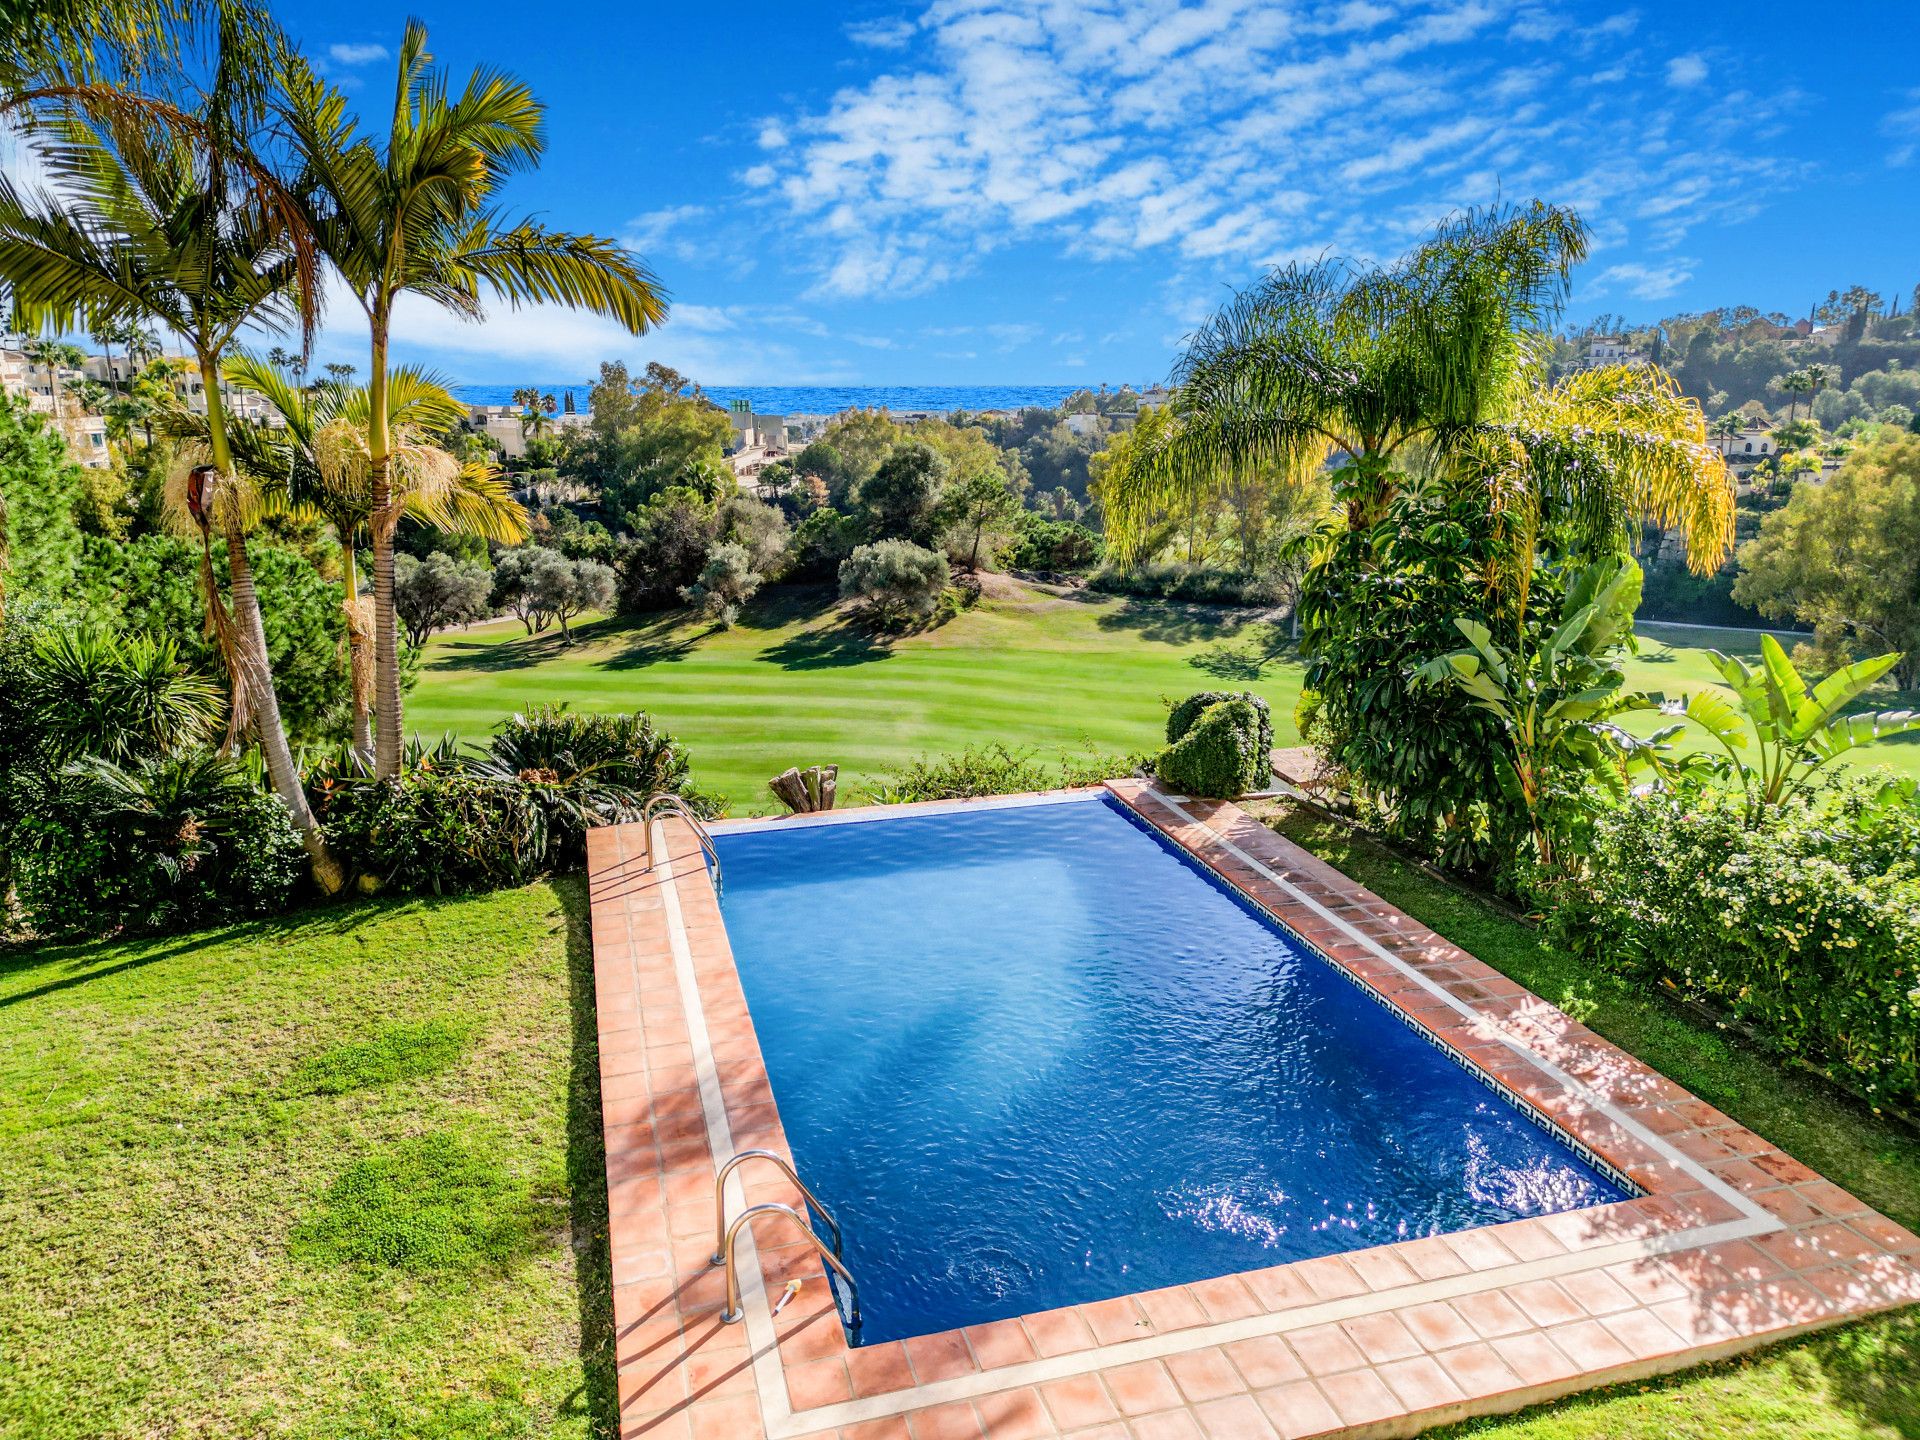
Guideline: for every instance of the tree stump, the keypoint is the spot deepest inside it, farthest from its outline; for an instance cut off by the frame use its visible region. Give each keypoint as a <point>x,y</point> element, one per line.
<point>806,791</point>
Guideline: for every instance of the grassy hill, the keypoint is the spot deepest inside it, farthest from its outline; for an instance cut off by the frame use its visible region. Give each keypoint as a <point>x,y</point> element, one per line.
<point>795,684</point>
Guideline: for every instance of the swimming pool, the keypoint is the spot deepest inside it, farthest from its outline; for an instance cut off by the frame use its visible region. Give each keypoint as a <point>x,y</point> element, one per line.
<point>1032,1055</point>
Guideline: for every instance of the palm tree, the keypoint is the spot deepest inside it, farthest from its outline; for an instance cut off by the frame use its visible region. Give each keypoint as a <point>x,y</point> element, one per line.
<point>1431,369</point>
<point>55,355</point>
<point>1819,376</point>
<point>1793,385</point>
<point>327,473</point>
<point>1363,362</point>
<point>177,223</point>
<point>414,214</point>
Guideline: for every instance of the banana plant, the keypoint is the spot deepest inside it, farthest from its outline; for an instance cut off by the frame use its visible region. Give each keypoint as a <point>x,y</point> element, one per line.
<point>1795,729</point>
<point>1557,701</point>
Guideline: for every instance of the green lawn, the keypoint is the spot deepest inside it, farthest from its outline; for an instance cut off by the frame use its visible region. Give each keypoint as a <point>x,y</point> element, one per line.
<point>795,685</point>
<point>1861,1382</point>
<point>334,1175</point>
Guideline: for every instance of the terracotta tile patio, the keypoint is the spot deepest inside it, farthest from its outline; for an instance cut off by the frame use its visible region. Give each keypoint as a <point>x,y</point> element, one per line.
<point>1729,1244</point>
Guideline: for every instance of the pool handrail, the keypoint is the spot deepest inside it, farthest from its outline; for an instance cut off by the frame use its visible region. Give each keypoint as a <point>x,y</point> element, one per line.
<point>674,805</point>
<point>734,1313</point>
<point>720,1201</point>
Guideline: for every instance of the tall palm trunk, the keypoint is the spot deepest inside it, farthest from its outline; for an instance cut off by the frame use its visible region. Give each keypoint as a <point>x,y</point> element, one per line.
<point>389,717</point>
<point>359,649</point>
<point>252,670</point>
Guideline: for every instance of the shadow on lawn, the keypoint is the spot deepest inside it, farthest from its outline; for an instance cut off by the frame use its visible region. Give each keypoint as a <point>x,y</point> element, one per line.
<point>830,648</point>
<point>520,654</point>
<point>654,641</point>
<point>598,1395</point>
<point>77,963</point>
<point>1246,658</point>
<point>1174,622</point>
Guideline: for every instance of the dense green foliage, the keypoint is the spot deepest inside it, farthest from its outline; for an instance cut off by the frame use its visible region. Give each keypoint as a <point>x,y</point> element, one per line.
<point>40,497</point>
<point>1844,557</point>
<point>1183,716</point>
<point>150,586</point>
<point>1421,757</point>
<point>435,827</point>
<point>894,583</point>
<point>1218,754</point>
<point>1202,584</point>
<point>1806,926</point>
<point>1040,543</point>
<point>997,769</point>
<point>164,842</point>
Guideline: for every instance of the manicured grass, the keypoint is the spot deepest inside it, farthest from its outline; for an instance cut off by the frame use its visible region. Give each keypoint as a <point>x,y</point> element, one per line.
<point>794,684</point>
<point>333,1175</point>
<point>1861,1382</point>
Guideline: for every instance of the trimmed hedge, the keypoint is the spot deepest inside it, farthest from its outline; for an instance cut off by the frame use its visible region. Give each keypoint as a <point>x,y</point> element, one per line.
<point>1219,755</point>
<point>1807,928</point>
<point>1182,717</point>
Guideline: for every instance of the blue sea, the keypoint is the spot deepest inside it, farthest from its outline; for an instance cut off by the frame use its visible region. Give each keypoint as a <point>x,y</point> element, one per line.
<point>826,399</point>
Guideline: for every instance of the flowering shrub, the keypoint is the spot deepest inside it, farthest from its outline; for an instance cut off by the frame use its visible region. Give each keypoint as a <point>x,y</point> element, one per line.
<point>1806,927</point>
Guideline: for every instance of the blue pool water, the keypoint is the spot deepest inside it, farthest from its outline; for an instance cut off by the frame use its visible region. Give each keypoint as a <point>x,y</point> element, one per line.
<point>1033,1056</point>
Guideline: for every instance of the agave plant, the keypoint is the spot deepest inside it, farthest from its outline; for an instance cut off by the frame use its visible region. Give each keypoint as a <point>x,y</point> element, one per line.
<point>1796,729</point>
<point>1557,701</point>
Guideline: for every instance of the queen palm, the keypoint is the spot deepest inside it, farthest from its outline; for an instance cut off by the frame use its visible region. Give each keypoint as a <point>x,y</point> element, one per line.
<point>1431,367</point>
<point>167,223</point>
<point>414,213</point>
<point>328,472</point>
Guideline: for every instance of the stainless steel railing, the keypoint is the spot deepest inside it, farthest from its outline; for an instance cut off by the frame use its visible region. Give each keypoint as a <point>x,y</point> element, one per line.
<point>720,1200</point>
<point>734,1313</point>
<point>666,800</point>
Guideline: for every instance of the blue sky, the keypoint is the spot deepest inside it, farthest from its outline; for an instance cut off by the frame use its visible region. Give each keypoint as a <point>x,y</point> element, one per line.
<point>1033,191</point>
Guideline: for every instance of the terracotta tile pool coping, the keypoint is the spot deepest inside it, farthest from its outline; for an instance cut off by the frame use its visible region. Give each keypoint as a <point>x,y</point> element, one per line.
<point>1729,1244</point>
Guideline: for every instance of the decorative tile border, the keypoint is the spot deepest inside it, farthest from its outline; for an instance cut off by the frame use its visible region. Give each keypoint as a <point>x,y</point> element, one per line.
<point>1729,1244</point>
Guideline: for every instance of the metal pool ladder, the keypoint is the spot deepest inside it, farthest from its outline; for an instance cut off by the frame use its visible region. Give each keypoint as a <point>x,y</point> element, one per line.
<point>725,1236</point>
<point>671,803</point>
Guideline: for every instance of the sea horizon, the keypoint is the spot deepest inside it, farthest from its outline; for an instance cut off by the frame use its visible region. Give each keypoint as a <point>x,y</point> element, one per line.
<point>829,399</point>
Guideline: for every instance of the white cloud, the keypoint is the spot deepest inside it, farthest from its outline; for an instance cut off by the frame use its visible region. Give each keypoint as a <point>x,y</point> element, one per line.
<point>356,54</point>
<point>1903,126</point>
<point>547,344</point>
<point>1686,71</point>
<point>1233,133</point>
<point>1643,282</point>
<point>881,34</point>
<point>773,136</point>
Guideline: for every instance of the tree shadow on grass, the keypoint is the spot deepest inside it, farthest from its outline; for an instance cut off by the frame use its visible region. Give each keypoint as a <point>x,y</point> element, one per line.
<point>1246,658</point>
<point>657,640</point>
<point>830,648</point>
<point>1175,622</point>
<point>79,963</point>
<point>598,1395</point>
<point>1874,1370</point>
<point>521,654</point>
<point>778,606</point>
